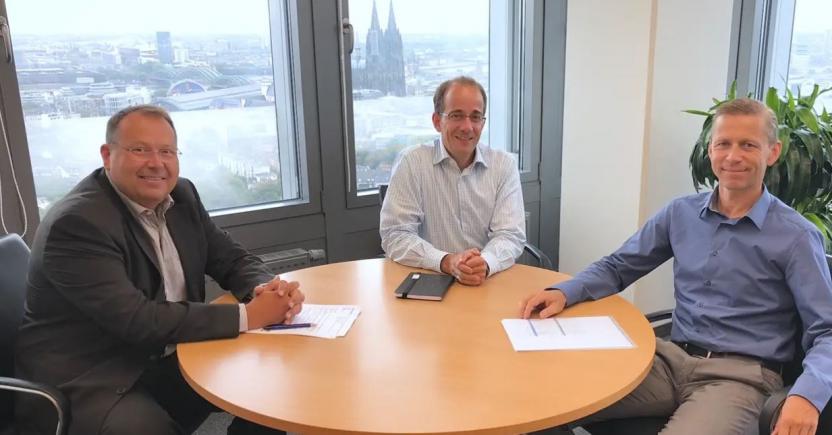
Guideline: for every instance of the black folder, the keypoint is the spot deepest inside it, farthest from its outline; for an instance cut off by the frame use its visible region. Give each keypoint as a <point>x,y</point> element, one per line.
<point>427,286</point>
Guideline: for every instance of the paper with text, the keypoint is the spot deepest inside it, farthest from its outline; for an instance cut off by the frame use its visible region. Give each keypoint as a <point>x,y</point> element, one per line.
<point>562,333</point>
<point>329,321</point>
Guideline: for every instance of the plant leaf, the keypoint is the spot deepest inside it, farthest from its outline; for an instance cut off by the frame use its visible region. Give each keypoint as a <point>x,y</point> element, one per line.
<point>697,112</point>
<point>808,117</point>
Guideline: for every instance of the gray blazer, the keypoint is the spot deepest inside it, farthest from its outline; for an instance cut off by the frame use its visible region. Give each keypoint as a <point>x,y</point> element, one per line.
<point>95,313</point>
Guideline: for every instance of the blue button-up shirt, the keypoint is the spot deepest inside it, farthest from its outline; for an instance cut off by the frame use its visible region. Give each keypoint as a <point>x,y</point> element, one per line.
<point>746,285</point>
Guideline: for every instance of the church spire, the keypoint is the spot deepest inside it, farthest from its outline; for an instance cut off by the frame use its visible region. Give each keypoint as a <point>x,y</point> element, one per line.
<point>391,18</point>
<point>374,22</point>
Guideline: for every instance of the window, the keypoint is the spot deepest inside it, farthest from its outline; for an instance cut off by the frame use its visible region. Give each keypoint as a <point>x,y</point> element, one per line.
<point>810,52</point>
<point>223,72</point>
<point>403,50</point>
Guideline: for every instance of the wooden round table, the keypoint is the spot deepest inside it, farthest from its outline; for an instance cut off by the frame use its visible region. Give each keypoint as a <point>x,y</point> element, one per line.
<point>411,366</point>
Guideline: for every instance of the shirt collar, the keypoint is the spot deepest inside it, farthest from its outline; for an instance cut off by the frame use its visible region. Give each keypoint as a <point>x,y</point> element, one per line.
<point>440,153</point>
<point>756,214</point>
<point>138,209</point>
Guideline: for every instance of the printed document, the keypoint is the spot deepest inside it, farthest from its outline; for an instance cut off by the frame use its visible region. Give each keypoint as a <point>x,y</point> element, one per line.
<point>562,333</point>
<point>328,321</point>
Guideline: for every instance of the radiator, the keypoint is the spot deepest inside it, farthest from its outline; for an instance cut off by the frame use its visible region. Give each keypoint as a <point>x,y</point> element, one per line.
<point>293,259</point>
<point>278,262</point>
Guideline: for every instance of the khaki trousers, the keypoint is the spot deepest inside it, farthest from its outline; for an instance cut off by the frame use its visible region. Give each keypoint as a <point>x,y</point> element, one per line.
<point>714,396</point>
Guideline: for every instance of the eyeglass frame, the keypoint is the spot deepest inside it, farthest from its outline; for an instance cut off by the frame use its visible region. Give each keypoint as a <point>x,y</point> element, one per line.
<point>145,152</point>
<point>463,116</point>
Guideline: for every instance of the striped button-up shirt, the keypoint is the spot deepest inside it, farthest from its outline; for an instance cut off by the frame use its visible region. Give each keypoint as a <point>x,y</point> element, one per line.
<point>432,208</point>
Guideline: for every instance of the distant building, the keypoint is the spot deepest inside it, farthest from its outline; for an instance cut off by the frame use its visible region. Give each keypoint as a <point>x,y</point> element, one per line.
<point>382,67</point>
<point>164,48</point>
<point>119,100</point>
<point>129,56</point>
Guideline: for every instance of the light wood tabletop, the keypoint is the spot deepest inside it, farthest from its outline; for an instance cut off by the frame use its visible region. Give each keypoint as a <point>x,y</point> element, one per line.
<point>411,366</point>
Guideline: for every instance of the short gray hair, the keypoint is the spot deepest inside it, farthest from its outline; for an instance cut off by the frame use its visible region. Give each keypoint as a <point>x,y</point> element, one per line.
<point>144,109</point>
<point>442,90</point>
<point>750,106</point>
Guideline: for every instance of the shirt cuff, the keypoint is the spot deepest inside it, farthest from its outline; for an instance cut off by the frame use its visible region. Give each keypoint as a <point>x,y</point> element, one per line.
<point>433,259</point>
<point>812,389</point>
<point>571,289</point>
<point>243,318</point>
<point>493,264</point>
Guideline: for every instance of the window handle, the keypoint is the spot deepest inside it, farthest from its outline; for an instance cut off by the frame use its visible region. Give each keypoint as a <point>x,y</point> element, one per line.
<point>7,39</point>
<point>349,35</point>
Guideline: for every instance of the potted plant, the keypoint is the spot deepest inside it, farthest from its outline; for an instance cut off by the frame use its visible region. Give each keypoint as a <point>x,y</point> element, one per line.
<point>802,176</point>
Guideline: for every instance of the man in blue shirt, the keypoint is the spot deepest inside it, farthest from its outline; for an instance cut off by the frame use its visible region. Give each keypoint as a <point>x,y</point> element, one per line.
<point>749,275</point>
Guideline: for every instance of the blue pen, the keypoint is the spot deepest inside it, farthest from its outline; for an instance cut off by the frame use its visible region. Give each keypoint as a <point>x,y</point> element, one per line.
<point>279,326</point>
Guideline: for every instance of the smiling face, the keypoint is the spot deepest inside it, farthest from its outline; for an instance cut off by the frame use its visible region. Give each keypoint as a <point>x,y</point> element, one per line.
<point>740,151</point>
<point>461,137</point>
<point>147,180</point>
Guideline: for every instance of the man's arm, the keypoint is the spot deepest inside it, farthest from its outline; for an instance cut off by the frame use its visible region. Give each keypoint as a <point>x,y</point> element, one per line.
<point>644,251</point>
<point>87,266</point>
<point>507,229</point>
<point>807,275</point>
<point>231,265</point>
<point>401,216</point>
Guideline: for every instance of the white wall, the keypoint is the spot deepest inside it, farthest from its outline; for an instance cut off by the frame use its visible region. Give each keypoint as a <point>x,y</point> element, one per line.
<point>632,66</point>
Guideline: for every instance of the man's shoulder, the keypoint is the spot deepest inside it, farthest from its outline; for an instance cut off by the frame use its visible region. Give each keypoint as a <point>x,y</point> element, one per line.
<point>418,153</point>
<point>89,198</point>
<point>782,214</point>
<point>691,202</point>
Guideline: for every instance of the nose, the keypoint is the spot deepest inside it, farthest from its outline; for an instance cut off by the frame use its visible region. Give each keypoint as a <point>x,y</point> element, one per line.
<point>154,159</point>
<point>733,153</point>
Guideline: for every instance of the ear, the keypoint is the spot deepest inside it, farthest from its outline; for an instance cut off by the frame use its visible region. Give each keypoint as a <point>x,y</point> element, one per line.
<point>105,151</point>
<point>774,154</point>
<point>437,121</point>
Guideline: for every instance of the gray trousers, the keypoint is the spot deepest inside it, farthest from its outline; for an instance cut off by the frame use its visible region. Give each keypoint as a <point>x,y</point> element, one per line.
<point>715,396</point>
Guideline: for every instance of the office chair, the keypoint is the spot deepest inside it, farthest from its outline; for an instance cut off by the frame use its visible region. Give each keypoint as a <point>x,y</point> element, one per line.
<point>661,322</point>
<point>14,258</point>
<point>540,257</point>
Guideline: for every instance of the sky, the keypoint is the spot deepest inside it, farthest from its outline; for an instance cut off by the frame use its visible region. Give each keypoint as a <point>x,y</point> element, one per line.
<point>453,17</point>
<point>813,15</point>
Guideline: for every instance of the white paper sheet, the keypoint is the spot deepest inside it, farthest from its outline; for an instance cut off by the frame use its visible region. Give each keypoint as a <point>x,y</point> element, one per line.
<point>329,321</point>
<point>598,332</point>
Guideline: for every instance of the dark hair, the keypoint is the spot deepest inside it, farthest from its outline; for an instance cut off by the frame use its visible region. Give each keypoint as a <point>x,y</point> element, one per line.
<point>439,95</point>
<point>750,106</point>
<point>144,109</point>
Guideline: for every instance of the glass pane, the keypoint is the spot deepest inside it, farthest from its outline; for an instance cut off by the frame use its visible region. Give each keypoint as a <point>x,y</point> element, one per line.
<point>403,51</point>
<point>810,61</point>
<point>208,62</point>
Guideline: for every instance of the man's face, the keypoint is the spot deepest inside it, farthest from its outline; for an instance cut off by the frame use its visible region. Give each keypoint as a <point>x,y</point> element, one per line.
<point>460,137</point>
<point>149,179</point>
<point>740,152</point>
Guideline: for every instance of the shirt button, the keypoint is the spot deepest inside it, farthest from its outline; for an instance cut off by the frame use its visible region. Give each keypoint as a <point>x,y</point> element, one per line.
<point>708,283</point>
<point>715,253</point>
<point>121,391</point>
<point>700,305</point>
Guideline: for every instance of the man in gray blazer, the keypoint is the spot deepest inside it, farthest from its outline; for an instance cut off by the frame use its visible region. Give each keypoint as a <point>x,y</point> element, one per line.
<point>117,279</point>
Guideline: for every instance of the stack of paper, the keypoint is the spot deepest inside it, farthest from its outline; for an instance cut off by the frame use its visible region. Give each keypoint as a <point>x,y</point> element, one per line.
<point>600,332</point>
<point>328,321</point>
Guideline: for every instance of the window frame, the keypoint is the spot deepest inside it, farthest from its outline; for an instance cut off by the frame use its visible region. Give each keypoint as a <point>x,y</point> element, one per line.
<point>306,168</point>
<point>527,19</point>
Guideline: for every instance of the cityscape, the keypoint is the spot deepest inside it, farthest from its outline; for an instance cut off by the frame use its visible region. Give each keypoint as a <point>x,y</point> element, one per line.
<point>221,93</point>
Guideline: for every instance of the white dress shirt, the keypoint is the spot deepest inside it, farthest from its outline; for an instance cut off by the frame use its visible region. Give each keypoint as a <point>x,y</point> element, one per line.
<point>432,208</point>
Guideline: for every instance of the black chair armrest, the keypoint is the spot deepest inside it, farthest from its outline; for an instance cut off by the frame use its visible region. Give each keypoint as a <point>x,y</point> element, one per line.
<point>771,410</point>
<point>542,259</point>
<point>52,394</point>
<point>658,316</point>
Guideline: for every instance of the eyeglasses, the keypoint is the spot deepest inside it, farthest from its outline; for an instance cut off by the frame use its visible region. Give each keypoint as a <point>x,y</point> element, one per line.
<point>476,117</point>
<point>147,152</point>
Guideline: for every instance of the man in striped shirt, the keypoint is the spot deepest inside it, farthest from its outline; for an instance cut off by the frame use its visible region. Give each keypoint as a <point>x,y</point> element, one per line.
<point>455,206</point>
